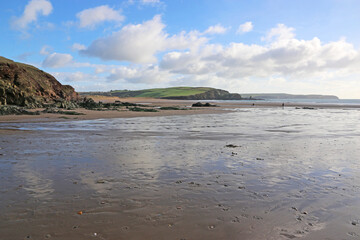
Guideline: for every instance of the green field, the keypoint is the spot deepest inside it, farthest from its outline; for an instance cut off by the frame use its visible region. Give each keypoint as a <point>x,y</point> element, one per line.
<point>161,92</point>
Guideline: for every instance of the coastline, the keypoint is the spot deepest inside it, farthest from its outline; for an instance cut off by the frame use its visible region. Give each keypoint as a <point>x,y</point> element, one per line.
<point>222,107</point>
<point>194,176</point>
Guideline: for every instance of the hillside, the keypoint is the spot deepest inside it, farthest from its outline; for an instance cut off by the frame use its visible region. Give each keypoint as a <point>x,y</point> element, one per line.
<point>26,85</point>
<point>181,93</point>
<point>288,96</point>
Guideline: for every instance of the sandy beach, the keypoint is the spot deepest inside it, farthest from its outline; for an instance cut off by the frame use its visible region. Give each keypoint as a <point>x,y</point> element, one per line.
<point>236,171</point>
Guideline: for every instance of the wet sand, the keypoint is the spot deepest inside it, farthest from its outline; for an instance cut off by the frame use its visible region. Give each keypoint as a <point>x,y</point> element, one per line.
<point>255,173</point>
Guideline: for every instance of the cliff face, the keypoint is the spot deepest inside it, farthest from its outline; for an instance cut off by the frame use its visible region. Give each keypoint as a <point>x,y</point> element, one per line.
<point>25,85</point>
<point>213,94</point>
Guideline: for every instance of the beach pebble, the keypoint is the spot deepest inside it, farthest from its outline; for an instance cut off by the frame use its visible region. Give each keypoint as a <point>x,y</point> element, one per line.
<point>354,223</point>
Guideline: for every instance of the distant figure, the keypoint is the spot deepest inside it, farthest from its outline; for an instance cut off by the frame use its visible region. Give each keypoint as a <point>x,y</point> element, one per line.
<point>283,105</point>
<point>253,104</point>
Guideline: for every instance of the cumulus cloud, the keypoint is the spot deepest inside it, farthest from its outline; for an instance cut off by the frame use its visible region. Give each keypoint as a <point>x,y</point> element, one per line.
<point>91,17</point>
<point>140,43</point>
<point>244,28</point>
<point>74,76</point>
<point>281,32</point>
<point>33,10</point>
<point>141,74</point>
<point>57,60</point>
<point>216,29</point>
<point>281,62</point>
<point>284,57</point>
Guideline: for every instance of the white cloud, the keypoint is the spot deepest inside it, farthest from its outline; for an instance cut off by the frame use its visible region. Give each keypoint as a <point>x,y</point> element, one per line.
<point>78,46</point>
<point>281,32</point>
<point>283,60</point>
<point>45,50</point>
<point>150,2</point>
<point>283,63</point>
<point>142,74</point>
<point>57,60</point>
<point>140,43</point>
<point>216,29</point>
<point>32,11</point>
<point>244,28</point>
<point>145,2</point>
<point>91,17</point>
<point>74,76</point>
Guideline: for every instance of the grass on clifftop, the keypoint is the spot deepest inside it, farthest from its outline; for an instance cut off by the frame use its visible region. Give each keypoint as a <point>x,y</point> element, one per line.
<point>166,92</point>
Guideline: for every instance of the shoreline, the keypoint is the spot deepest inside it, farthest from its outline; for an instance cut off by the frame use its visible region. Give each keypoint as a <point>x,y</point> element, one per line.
<point>222,107</point>
<point>267,171</point>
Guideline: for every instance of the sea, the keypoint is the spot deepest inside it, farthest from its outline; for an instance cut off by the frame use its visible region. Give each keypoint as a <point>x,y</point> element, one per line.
<point>350,102</point>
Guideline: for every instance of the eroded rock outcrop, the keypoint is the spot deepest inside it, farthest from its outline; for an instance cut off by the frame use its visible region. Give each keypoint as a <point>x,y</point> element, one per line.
<point>26,85</point>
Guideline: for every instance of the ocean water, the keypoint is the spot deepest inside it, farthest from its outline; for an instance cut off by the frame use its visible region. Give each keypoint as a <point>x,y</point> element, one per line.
<point>344,102</point>
<point>290,173</point>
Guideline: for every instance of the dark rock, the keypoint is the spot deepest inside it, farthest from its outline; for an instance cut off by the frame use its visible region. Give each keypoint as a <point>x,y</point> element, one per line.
<point>199,104</point>
<point>231,146</point>
<point>15,110</point>
<point>137,109</point>
<point>89,103</point>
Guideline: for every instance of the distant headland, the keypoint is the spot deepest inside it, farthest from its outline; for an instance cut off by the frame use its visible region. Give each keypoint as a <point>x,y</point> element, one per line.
<point>176,93</point>
<point>201,93</point>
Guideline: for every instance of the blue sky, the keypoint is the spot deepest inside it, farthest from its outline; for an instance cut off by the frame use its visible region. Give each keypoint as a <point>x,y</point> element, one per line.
<point>257,46</point>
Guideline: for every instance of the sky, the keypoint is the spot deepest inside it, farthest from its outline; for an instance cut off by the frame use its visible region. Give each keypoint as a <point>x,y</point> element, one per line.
<point>243,46</point>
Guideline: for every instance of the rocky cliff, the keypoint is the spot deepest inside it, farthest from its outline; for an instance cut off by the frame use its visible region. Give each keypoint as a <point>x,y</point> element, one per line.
<point>26,85</point>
